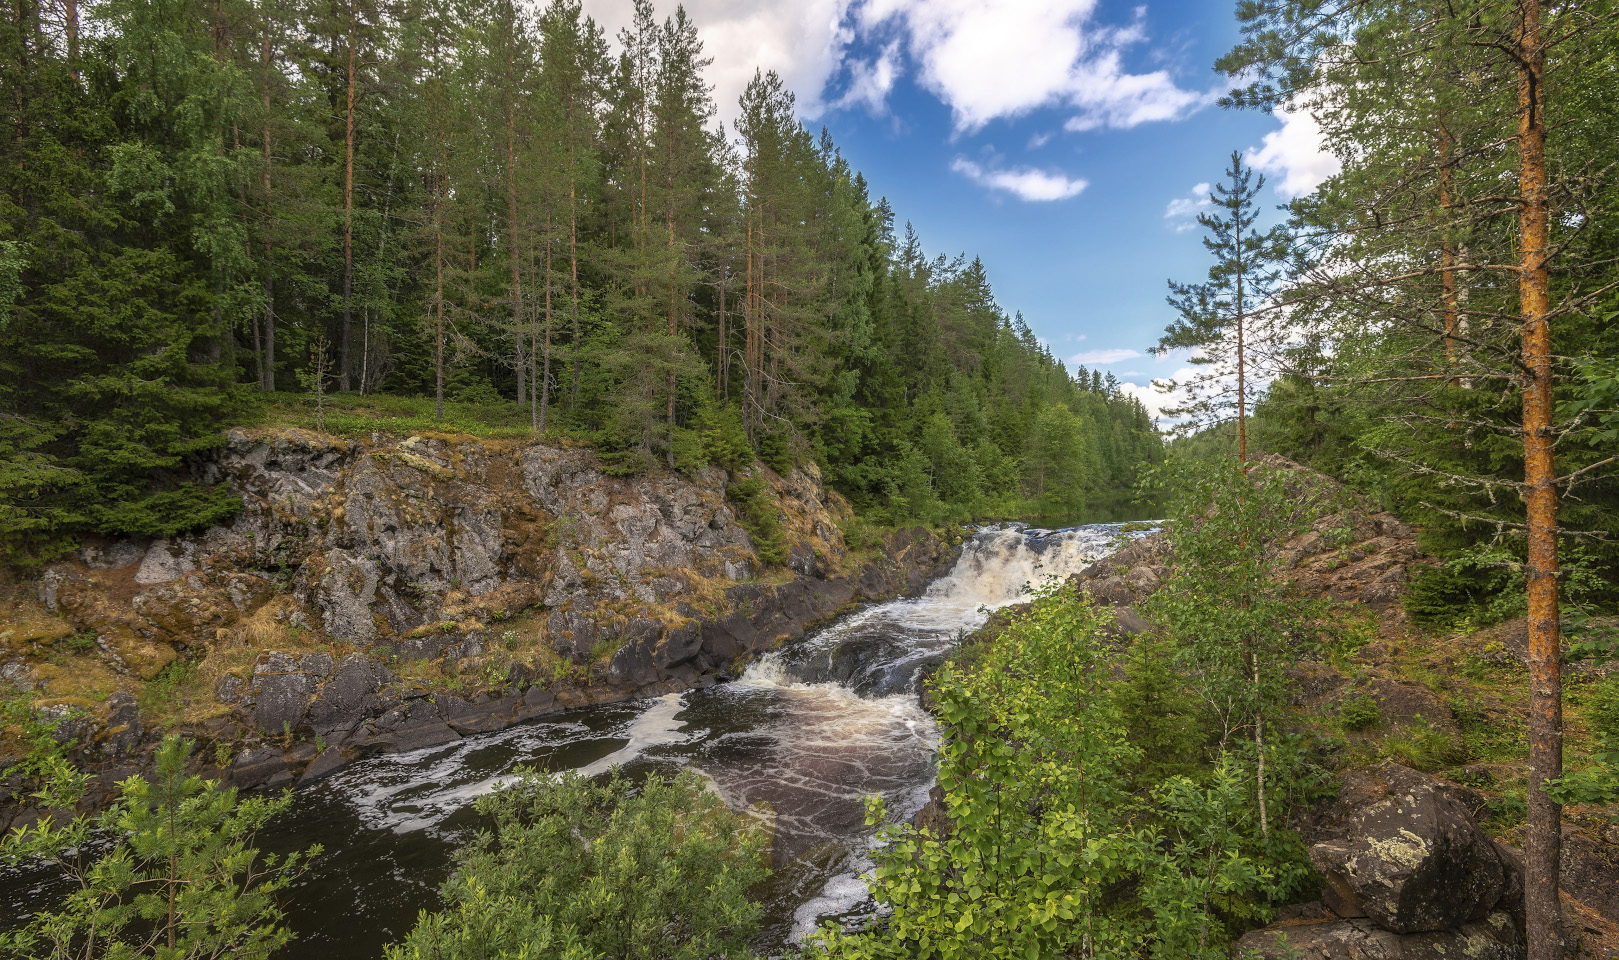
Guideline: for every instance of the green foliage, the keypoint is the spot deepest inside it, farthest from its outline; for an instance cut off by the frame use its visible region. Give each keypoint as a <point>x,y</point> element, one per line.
<point>1233,621</point>
<point>523,209</point>
<point>1359,711</point>
<point>479,926</point>
<point>1597,780</point>
<point>1162,713</point>
<point>573,870</point>
<point>1474,589</point>
<point>1037,770</point>
<point>181,880</point>
<point>44,764</point>
<point>1425,747</point>
<point>760,515</point>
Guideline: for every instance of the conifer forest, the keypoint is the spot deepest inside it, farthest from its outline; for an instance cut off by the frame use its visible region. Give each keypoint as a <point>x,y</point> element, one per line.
<point>471,491</point>
<point>479,203</point>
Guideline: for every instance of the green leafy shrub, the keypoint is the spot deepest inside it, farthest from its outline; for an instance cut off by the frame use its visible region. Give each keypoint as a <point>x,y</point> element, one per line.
<point>183,880</point>
<point>776,451</point>
<point>1359,711</point>
<point>1425,747</point>
<point>723,439</point>
<point>1597,781</point>
<point>1473,590</point>
<point>1038,767</point>
<point>574,869</point>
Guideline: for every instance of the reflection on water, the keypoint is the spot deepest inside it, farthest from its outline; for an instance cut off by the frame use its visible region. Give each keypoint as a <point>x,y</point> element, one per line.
<point>810,731</point>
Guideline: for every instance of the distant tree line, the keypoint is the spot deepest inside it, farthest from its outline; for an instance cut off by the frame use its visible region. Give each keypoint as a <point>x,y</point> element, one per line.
<point>479,201</point>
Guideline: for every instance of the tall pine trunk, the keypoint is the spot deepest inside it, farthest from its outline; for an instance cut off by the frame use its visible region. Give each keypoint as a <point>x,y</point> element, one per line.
<point>268,381</point>
<point>438,298</point>
<point>346,335</point>
<point>542,384</point>
<point>511,229</point>
<point>1544,849</point>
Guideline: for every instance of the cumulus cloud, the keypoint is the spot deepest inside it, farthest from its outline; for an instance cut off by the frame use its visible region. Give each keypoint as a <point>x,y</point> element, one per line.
<point>1182,211</point>
<point>1025,183</point>
<point>1296,154</point>
<point>805,41</point>
<point>985,59</point>
<point>1154,398</point>
<point>988,59</point>
<point>1091,358</point>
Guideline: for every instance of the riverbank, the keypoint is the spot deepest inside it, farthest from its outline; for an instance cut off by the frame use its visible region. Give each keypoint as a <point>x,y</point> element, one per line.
<point>384,594</point>
<point>1408,736</point>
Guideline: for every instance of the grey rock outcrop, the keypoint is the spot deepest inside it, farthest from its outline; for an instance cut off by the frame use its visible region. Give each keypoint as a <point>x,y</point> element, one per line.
<point>1413,861</point>
<point>1495,937</point>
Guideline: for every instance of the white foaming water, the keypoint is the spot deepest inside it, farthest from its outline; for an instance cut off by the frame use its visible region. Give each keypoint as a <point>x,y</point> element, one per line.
<point>833,747</point>
<point>811,730</point>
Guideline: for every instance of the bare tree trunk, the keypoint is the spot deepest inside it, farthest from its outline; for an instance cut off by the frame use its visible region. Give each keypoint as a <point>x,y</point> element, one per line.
<point>346,337</point>
<point>721,348</point>
<point>1447,246</point>
<point>573,257</point>
<point>674,327</point>
<point>1544,849</point>
<point>1259,747</point>
<point>70,16</point>
<point>749,325</point>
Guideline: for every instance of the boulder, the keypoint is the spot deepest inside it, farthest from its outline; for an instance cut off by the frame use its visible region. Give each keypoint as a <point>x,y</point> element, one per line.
<point>1413,861</point>
<point>348,698</point>
<point>1493,937</point>
<point>282,687</point>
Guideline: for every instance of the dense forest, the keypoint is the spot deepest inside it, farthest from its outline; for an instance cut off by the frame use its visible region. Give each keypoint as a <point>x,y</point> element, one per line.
<point>222,212</point>
<point>478,202</point>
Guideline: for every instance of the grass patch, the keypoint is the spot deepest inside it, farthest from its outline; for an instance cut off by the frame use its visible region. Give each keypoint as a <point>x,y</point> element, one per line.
<point>1491,735</point>
<point>172,690</point>
<point>353,415</point>
<point>1425,747</point>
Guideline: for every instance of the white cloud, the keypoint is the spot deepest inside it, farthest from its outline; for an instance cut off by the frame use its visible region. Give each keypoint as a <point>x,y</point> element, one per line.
<point>870,80</point>
<point>985,59</point>
<point>988,59</point>
<point>1296,154</point>
<point>1025,183</point>
<point>1150,396</point>
<point>1091,358</point>
<point>1039,140</point>
<point>1182,211</point>
<point>804,41</point>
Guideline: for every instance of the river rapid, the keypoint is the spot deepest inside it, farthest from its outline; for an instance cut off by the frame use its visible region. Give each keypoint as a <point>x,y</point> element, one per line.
<point>810,729</point>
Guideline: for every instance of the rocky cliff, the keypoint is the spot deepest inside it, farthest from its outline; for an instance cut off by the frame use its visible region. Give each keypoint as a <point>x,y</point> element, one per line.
<point>387,593</point>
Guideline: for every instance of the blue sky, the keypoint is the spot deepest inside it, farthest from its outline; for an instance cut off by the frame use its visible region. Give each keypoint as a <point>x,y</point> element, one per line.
<point>1066,142</point>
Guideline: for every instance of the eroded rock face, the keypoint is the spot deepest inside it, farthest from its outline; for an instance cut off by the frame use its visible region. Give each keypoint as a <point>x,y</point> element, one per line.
<point>377,538</point>
<point>461,558</point>
<point>1413,861</point>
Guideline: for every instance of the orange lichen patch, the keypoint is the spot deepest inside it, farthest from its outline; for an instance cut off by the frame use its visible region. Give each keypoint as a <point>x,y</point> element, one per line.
<point>25,623</point>
<point>266,627</point>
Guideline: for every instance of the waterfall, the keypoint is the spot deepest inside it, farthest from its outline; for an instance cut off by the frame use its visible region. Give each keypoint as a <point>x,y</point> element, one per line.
<point>807,733</point>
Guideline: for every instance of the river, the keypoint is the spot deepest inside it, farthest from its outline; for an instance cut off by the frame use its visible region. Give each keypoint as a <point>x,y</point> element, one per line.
<point>810,729</point>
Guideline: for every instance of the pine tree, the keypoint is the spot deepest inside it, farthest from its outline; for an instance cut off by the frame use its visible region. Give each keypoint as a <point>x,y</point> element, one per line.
<point>1217,320</point>
<point>1424,211</point>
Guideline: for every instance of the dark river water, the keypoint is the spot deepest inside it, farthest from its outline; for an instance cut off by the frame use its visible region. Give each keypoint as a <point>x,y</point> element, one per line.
<point>811,729</point>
